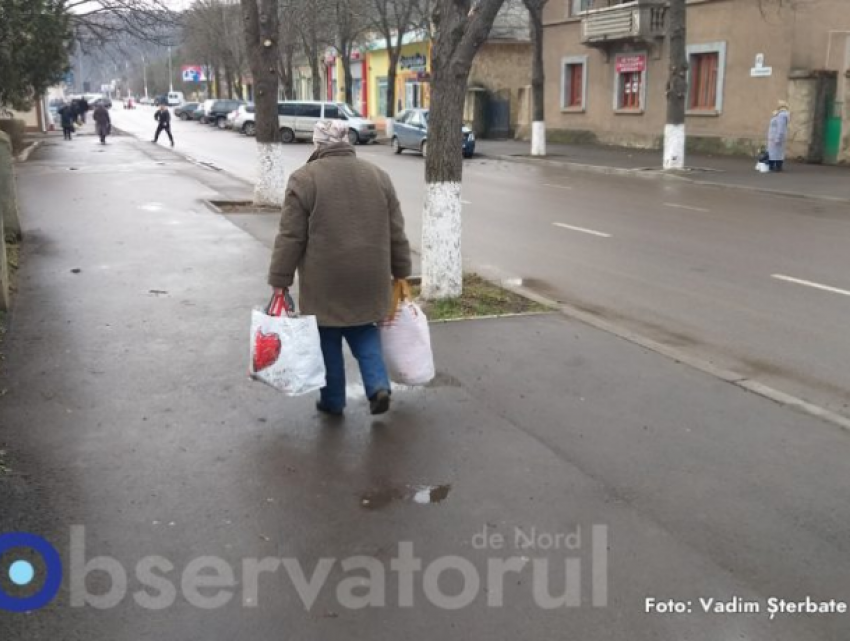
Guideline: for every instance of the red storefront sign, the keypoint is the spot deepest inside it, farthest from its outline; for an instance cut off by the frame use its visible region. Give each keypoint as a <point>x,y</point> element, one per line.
<point>631,64</point>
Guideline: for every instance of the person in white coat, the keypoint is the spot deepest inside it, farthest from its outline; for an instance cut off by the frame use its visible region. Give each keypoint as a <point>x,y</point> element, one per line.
<point>777,136</point>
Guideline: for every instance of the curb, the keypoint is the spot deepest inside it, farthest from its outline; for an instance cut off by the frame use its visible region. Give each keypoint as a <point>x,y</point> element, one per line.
<point>661,175</point>
<point>24,156</point>
<point>728,376</point>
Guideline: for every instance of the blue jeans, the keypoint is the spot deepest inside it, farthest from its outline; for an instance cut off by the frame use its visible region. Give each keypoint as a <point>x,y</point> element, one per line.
<point>365,344</point>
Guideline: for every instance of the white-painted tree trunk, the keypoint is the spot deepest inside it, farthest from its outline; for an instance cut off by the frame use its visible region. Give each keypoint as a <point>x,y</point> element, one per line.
<point>442,265</point>
<point>538,138</point>
<point>674,147</point>
<point>271,185</point>
<point>390,125</point>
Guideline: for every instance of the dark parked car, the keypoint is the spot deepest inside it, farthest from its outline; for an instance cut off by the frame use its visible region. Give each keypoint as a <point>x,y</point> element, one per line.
<point>186,110</point>
<point>411,132</point>
<point>200,114</point>
<point>217,113</point>
<point>106,101</point>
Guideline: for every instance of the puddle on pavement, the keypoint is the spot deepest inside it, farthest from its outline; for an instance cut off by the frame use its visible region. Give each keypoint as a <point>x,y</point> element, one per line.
<point>419,494</point>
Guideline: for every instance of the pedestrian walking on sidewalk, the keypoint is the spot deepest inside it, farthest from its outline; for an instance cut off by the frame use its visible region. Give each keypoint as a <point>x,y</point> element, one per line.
<point>343,231</point>
<point>102,122</point>
<point>163,117</point>
<point>777,136</point>
<point>83,109</point>
<point>67,116</point>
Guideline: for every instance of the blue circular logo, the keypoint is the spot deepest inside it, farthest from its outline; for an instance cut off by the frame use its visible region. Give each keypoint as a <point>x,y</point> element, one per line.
<point>22,572</point>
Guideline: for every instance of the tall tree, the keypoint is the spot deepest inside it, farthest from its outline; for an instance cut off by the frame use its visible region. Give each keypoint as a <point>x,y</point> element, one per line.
<point>261,39</point>
<point>317,34</point>
<point>289,47</point>
<point>350,17</point>
<point>34,46</point>
<point>538,78</point>
<point>460,28</point>
<point>100,21</point>
<point>393,19</point>
<point>677,87</point>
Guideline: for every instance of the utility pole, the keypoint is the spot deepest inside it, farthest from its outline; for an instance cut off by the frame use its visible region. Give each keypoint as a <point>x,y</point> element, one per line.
<point>145,75</point>
<point>170,74</point>
<point>677,87</point>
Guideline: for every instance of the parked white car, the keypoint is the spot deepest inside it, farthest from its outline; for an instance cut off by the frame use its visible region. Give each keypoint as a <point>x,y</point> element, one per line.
<point>297,118</point>
<point>242,120</point>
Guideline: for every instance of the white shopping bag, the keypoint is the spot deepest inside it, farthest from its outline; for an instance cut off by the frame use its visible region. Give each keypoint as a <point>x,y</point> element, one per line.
<point>286,352</point>
<point>406,341</point>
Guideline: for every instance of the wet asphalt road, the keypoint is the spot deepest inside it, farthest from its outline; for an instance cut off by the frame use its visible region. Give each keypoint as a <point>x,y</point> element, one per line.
<point>749,282</point>
<point>128,412</point>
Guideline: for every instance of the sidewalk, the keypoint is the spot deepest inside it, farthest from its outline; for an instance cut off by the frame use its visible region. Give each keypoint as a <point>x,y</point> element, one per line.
<point>798,179</point>
<point>129,411</point>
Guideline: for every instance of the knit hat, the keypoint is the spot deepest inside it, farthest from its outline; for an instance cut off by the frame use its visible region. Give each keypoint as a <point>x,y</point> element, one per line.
<point>327,132</point>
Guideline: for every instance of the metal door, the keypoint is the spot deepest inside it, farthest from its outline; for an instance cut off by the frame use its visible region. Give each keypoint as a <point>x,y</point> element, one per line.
<point>498,123</point>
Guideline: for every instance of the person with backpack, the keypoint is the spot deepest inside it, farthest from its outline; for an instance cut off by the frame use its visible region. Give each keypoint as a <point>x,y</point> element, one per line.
<point>163,117</point>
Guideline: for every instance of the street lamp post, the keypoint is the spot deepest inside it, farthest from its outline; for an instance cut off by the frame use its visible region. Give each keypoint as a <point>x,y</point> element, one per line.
<point>145,75</point>
<point>170,74</point>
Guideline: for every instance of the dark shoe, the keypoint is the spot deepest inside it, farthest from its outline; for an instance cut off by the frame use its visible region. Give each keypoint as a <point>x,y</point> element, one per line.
<point>327,410</point>
<point>172,144</point>
<point>380,402</point>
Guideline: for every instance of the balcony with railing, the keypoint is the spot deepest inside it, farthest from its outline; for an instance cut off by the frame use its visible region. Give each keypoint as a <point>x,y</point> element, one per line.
<point>636,21</point>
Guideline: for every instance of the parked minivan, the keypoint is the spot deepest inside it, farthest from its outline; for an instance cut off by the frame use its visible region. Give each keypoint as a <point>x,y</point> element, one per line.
<point>297,118</point>
<point>175,98</point>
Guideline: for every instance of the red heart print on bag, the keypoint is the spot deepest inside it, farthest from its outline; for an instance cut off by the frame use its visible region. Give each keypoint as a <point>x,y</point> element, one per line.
<point>266,350</point>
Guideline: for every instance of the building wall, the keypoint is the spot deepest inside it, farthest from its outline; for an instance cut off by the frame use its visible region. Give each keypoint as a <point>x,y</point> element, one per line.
<point>503,68</point>
<point>378,63</point>
<point>740,30</point>
<point>378,69</point>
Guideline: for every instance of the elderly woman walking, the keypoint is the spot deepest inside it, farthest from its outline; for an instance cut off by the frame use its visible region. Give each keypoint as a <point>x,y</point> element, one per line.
<point>777,136</point>
<point>343,230</point>
<point>102,122</point>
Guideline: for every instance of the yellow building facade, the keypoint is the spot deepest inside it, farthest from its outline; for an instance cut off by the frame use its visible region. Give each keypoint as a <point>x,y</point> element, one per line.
<point>413,78</point>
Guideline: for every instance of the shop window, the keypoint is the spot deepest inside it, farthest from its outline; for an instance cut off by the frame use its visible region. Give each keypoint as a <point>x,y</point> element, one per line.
<point>705,78</point>
<point>630,90</point>
<point>412,94</point>
<point>630,83</point>
<point>573,83</point>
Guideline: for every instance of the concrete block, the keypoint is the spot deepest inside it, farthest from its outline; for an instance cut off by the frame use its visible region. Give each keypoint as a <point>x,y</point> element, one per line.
<point>8,190</point>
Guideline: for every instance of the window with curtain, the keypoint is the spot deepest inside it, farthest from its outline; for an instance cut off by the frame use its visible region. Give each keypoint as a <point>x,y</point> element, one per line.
<point>703,88</point>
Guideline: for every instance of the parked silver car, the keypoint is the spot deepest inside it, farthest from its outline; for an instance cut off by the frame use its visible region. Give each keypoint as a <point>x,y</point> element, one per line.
<point>242,120</point>
<point>297,119</point>
<point>410,131</point>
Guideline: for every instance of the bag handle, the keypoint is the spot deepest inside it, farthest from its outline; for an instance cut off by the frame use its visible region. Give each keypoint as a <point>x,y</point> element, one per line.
<point>279,304</point>
<point>401,292</point>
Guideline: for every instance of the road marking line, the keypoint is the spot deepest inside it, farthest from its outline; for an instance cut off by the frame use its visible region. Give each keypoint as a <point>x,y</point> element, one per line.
<point>808,283</point>
<point>557,186</point>
<point>677,206</point>
<point>583,230</point>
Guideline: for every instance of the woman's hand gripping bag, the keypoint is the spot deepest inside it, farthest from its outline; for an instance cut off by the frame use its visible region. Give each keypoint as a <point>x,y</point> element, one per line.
<point>406,340</point>
<point>286,352</point>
